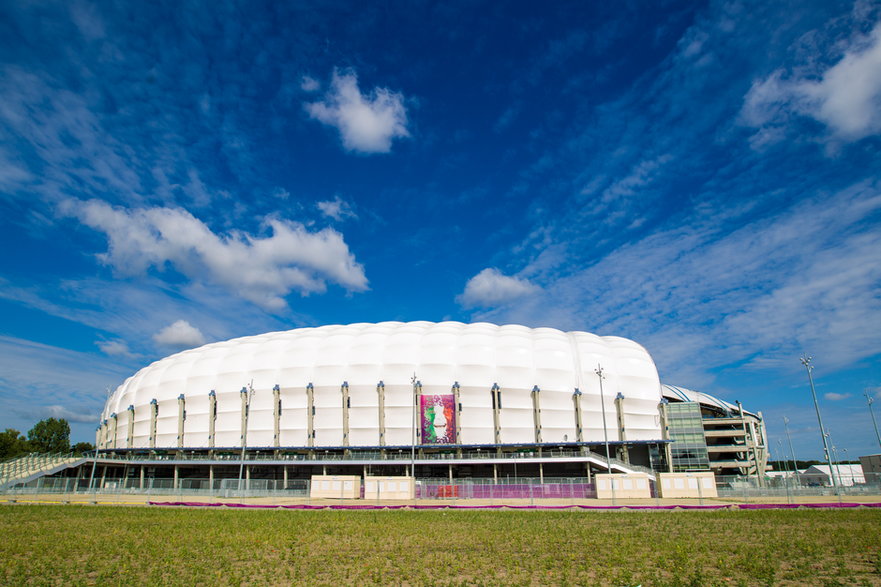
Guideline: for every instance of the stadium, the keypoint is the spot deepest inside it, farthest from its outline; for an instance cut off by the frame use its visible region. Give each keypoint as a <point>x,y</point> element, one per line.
<point>436,402</point>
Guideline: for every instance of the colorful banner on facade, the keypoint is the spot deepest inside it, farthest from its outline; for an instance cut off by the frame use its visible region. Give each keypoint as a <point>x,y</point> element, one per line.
<point>438,417</point>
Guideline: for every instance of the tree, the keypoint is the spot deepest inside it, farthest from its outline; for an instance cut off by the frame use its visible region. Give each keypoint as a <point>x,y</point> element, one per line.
<point>81,448</point>
<point>12,444</point>
<point>50,435</point>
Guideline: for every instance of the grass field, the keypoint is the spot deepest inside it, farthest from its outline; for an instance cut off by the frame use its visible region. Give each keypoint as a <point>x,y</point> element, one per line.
<point>142,545</point>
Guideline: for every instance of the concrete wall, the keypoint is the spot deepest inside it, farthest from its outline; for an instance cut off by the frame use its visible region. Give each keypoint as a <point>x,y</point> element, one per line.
<point>389,488</point>
<point>335,487</point>
<point>687,484</point>
<point>632,486</point>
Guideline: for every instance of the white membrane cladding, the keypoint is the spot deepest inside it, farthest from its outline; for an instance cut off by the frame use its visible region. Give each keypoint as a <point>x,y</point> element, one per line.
<point>477,356</point>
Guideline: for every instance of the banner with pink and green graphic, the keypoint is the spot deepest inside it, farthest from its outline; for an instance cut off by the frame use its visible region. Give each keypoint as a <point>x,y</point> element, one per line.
<point>438,417</point>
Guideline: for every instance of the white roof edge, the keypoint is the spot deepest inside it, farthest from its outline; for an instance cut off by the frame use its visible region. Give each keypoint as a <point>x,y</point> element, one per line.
<point>677,393</point>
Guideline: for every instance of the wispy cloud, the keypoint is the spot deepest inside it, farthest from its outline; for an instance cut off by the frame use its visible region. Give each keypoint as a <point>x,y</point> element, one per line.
<point>836,397</point>
<point>338,209</point>
<point>39,381</point>
<point>131,309</point>
<point>262,270</point>
<point>309,84</point>
<point>70,415</point>
<point>709,296</point>
<point>115,348</point>
<point>366,123</point>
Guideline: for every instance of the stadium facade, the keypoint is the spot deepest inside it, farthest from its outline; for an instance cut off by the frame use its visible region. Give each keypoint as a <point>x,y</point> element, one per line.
<point>432,400</point>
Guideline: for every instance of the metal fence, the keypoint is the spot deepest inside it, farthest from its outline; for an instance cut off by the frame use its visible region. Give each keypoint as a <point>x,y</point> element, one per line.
<point>520,488</point>
<point>189,486</point>
<point>791,487</point>
<point>742,489</point>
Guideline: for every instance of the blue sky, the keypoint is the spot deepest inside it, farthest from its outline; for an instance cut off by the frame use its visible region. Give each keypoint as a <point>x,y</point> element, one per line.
<point>704,178</point>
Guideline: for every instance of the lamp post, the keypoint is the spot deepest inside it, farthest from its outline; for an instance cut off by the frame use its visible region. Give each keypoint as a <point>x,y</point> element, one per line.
<point>786,477</point>
<point>806,361</point>
<point>785,460</point>
<point>413,438</point>
<point>791,450</point>
<point>870,400</point>
<point>601,375</point>
<point>837,461</point>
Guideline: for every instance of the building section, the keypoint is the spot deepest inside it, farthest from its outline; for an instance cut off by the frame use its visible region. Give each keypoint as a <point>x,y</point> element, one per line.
<point>871,465</point>
<point>447,391</point>
<point>845,475</point>
<point>706,429</point>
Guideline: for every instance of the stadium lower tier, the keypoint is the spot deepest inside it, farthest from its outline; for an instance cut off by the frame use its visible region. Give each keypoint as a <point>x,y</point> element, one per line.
<point>219,469</point>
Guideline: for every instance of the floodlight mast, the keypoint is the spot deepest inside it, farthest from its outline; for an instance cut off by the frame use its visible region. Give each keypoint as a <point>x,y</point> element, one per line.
<point>791,450</point>
<point>806,361</point>
<point>601,374</point>
<point>870,400</point>
<point>414,381</point>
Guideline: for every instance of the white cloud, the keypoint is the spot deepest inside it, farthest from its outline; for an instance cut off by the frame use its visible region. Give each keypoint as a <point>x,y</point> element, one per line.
<point>181,335</point>
<point>491,288</point>
<point>117,348</point>
<point>261,270</point>
<point>835,397</point>
<point>367,124</point>
<point>336,209</point>
<point>846,97</point>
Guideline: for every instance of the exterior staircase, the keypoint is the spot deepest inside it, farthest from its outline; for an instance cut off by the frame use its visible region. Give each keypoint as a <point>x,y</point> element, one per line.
<point>619,466</point>
<point>32,466</point>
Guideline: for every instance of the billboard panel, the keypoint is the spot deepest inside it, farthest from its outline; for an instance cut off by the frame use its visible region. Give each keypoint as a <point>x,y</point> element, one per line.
<point>438,418</point>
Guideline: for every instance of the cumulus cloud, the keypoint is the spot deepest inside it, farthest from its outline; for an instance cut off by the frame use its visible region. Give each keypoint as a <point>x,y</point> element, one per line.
<point>835,397</point>
<point>491,288</point>
<point>260,269</point>
<point>336,209</point>
<point>116,348</point>
<point>180,334</point>
<point>846,97</point>
<point>367,123</point>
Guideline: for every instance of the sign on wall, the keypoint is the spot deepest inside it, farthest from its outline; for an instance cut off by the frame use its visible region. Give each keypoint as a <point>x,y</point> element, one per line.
<point>438,417</point>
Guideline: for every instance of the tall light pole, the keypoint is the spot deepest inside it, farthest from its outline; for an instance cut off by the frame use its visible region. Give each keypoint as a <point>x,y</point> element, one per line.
<point>870,400</point>
<point>786,478</point>
<point>791,450</point>
<point>413,439</point>
<point>785,460</point>
<point>837,463</point>
<point>601,375</point>
<point>806,361</point>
